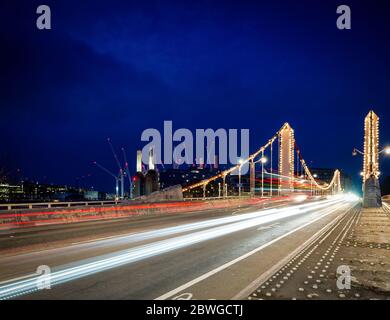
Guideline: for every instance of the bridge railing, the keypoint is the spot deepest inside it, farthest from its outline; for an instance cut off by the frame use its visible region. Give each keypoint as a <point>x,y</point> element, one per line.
<point>216,198</point>
<point>48,205</point>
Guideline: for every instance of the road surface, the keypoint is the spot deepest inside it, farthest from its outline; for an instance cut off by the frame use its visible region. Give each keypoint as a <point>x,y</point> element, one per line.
<point>199,255</point>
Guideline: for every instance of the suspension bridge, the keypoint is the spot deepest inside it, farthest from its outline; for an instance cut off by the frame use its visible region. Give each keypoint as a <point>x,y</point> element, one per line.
<point>262,245</point>
<point>292,174</point>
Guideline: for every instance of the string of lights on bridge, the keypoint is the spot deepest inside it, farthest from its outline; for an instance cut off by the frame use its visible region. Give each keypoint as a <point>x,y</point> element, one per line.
<point>289,132</point>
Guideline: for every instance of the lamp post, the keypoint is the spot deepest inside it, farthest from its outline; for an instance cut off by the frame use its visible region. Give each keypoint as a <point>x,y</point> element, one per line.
<point>271,182</point>
<point>224,185</point>
<point>311,183</point>
<point>385,150</point>
<point>241,162</point>
<point>263,161</point>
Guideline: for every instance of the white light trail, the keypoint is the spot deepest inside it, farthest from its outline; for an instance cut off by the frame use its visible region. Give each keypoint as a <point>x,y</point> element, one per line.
<point>169,231</point>
<point>113,260</point>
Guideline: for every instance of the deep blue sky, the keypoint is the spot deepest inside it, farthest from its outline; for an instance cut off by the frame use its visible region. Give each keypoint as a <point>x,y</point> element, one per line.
<point>115,68</point>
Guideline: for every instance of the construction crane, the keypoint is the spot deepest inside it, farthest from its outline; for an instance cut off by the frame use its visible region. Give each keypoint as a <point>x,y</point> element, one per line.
<point>113,175</point>
<point>128,173</point>
<point>121,173</point>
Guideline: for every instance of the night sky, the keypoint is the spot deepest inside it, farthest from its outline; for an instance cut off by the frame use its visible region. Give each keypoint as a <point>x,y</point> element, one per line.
<point>115,68</point>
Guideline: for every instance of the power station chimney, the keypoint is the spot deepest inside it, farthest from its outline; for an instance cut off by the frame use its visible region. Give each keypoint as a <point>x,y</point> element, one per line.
<point>151,159</point>
<point>201,163</point>
<point>139,161</point>
<point>216,162</point>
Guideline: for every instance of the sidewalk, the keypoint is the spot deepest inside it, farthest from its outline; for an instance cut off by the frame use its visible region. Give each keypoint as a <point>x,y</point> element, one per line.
<point>367,252</point>
<point>359,241</point>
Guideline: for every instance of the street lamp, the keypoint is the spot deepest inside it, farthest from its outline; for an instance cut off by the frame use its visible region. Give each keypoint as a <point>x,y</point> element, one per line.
<point>311,187</point>
<point>315,175</point>
<point>224,185</point>
<point>263,161</point>
<point>241,162</point>
<point>356,151</point>
<point>386,150</point>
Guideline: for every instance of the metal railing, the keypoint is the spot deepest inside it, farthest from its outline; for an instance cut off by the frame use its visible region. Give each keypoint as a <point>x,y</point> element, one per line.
<point>216,198</point>
<point>48,205</point>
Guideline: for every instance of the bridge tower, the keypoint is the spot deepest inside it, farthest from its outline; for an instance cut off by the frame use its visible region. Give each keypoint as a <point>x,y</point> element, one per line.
<point>371,189</point>
<point>286,159</point>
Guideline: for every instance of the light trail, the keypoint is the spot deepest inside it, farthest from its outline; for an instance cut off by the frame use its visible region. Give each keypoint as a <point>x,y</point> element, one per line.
<point>170,231</point>
<point>113,260</point>
<point>105,213</point>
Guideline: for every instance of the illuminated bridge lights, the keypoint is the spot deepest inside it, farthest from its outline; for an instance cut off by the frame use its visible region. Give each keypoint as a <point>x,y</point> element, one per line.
<point>286,166</point>
<point>371,146</point>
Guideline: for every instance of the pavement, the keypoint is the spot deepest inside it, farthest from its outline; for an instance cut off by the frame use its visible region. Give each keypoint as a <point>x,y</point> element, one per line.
<point>350,260</point>
<point>201,255</point>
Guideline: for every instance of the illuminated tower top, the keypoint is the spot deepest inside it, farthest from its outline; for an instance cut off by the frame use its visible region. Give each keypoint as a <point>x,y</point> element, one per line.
<point>286,156</point>
<point>371,145</point>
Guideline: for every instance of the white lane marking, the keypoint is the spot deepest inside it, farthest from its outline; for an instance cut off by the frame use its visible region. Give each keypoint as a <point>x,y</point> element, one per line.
<point>100,239</point>
<point>267,227</point>
<point>19,278</point>
<point>232,262</point>
<point>184,296</point>
<point>264,206</point>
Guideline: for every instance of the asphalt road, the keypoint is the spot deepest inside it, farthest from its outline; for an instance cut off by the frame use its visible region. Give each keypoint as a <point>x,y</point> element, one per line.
<point>201,255</point>
<point>48,236</point>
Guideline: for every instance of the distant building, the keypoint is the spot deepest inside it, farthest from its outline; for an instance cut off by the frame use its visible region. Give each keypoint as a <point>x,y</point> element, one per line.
<point>188,176</point>
<point>28,191</point>
<point>139,178</point>
<point>171,177</point>
<point>138,184</point>
<point>91,195</point>
<point>151,181</point>
<point>10,192</point>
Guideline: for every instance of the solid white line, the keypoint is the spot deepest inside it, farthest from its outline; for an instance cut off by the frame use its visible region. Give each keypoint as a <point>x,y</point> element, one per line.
<point>267,227</point>
<point>230,263</point>
<point>100,239</point>
<point>19,278</point>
